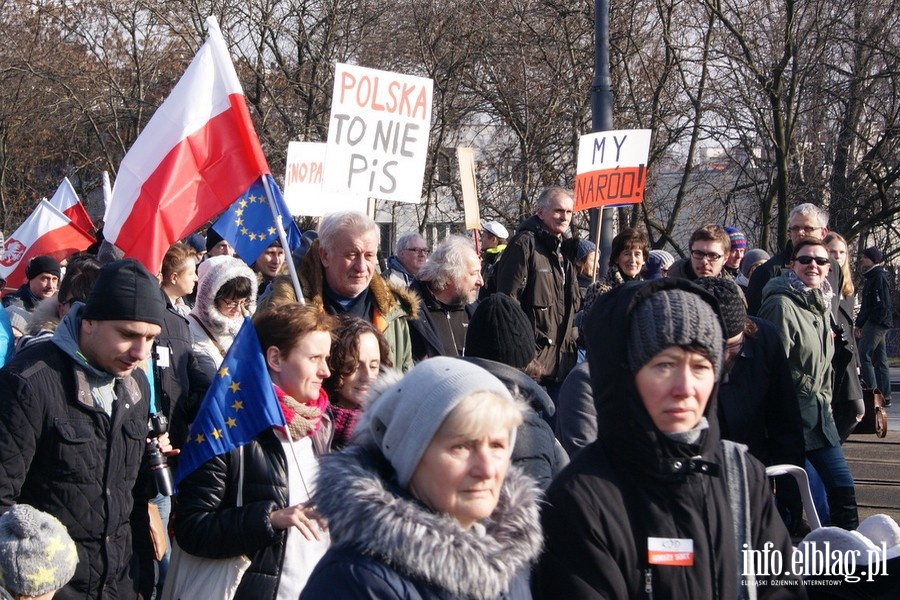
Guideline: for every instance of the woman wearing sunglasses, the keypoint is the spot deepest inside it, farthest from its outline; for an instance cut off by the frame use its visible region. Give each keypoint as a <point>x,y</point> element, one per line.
<point>798,304</point>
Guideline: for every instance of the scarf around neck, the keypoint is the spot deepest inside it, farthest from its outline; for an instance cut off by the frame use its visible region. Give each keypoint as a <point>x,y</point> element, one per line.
<point>302,419</point>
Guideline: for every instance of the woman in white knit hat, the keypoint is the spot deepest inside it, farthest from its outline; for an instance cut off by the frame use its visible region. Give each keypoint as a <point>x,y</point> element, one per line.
<point>424,502</point>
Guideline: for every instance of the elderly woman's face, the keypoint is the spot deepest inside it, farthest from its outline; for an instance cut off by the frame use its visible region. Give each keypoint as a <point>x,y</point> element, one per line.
<point>630,261</point>
<point>461,475</point>
<point>675,387</point>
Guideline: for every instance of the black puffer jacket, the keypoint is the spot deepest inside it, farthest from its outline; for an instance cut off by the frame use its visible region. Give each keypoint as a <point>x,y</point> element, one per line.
<point>65,456</point>
<point>536,452</point>
<point>207,521</point>
<point>530,271</point>
<point>635,483</point>
<point>438,329</point>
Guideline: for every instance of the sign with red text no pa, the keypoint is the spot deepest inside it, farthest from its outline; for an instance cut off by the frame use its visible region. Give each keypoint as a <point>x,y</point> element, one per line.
<point>612,168</point>
<point>378,134</point>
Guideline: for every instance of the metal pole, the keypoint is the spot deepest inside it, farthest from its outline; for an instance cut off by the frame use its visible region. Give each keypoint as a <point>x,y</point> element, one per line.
<point>289,258</point>
<point>602,120</point>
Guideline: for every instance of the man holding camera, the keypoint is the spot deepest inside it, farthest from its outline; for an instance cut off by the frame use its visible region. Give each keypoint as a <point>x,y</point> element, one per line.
<point>74,424</point>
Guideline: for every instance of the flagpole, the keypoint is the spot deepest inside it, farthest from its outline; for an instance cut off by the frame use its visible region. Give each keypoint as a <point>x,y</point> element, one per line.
<point>289,259</point>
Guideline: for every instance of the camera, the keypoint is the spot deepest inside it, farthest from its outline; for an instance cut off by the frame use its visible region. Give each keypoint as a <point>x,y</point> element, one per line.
<point>162,475</point>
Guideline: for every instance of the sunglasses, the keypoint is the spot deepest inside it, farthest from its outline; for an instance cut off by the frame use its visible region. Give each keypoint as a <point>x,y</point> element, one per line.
<point>805,260</point>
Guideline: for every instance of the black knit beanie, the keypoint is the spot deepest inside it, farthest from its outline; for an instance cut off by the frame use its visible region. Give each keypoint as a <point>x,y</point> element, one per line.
<point>500,331</point>
<point>731,303</point>
<point>212,238</point>
<point>125,291</point>
<point>42,264</point>
<point>673,317</point>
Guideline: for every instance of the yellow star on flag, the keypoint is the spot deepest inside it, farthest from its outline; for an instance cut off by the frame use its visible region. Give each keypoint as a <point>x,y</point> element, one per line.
<point>272,231</point>
<point>243,203</point>
<point>239,212</point>
<point>238,221</point>
<point>235,386</point>
<point>199,439</point>
<point>238,405</point>
<point>244,230</point>
<point>216,433</point>
<point>231,422</point>
<point>223,372</point>
<point>252,236</point>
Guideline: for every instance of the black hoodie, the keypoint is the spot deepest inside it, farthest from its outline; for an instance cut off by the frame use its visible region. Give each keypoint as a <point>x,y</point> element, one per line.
<point>635,483</point>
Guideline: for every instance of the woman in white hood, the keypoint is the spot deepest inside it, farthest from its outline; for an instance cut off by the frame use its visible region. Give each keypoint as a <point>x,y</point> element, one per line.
<point>226,293</point>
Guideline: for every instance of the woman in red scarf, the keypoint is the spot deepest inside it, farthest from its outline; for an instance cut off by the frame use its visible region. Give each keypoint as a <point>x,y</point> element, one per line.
<point>273,523</point>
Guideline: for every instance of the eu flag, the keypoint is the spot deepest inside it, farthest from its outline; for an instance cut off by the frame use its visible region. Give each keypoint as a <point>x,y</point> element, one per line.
<point>248,224</point>
<point>239,404</point>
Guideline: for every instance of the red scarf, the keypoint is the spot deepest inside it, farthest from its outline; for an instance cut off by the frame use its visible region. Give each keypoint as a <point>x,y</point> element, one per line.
<point>302,419</point>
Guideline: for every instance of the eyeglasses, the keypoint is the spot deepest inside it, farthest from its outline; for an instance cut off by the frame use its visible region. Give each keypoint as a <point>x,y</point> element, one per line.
<point>805,260</point>
<point>418,250</point>
<point>233,304</point>
<point>710,256</point>
<point>802,229</point>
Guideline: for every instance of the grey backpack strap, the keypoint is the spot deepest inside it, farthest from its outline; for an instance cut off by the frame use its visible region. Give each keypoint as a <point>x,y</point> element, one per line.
<point>739,499</point>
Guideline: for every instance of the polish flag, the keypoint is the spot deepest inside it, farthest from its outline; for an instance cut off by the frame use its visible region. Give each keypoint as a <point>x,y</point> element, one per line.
<point>66,200</point>
<point>45,231</point>
<point>195,157</point>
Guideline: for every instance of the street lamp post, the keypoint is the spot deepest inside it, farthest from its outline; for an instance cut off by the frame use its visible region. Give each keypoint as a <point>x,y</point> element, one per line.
<point>602,120</point>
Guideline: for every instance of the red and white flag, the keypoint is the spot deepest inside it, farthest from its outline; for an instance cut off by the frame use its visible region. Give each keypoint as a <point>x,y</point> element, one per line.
<point>45,231</point>
<point>66,200</point>
<point>198,153</point>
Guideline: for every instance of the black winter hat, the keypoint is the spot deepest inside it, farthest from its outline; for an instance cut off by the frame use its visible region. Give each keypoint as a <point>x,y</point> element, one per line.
<point>872,253</point>
<point>212,238</point>
<point>732,310</point>
<point>125,291</point>
<point>673,317</point>
<point>42,264</point>
<point>500,331</point>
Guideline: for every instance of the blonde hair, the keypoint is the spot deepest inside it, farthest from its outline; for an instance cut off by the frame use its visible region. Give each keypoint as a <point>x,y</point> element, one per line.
<point>484,413</point>
<point>847,289</point>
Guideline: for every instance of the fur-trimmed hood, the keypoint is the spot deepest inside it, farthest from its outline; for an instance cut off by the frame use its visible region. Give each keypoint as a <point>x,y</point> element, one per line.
<point>366,510</point>
<point>214,273</point>
<point>390,300</point>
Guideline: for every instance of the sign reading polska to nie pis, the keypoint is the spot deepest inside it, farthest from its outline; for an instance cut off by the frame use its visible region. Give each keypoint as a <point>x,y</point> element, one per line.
<point>612,168</point>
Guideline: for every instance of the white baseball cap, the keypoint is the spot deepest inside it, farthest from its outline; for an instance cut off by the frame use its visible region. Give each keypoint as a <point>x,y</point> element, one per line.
<point>496,229</point>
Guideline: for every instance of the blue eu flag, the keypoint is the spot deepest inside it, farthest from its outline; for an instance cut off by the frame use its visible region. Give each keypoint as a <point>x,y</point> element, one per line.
<point>248,224</point>
<point>239,404</point>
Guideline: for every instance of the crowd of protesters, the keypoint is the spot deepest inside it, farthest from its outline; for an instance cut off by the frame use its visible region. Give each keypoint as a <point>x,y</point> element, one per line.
<point>481,420</point>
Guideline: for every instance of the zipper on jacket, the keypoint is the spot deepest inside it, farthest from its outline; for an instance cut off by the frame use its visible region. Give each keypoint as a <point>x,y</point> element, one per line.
<point>648,583</point>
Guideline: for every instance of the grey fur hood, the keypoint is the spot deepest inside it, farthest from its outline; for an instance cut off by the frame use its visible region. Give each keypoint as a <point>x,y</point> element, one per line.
<point>214,273</point>
<point>366,510</point>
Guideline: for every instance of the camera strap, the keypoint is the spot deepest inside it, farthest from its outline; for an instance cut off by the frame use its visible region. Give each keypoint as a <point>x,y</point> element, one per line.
<point>151,379</point>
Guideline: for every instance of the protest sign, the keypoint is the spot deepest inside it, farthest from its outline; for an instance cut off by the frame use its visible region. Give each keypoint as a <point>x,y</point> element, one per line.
<point>378,134</point>
<point>612,168</point>
<point>303,177</point>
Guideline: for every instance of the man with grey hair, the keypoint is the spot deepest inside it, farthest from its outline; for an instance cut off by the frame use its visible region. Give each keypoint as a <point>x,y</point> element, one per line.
<point>338,274</point>
<point>410,253</point>
<point>448,285</point>
<point>538,270</point>
<point>806,220</point>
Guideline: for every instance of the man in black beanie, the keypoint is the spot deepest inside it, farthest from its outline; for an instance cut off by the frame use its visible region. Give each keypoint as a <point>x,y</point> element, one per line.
<point>42,273</point>
<point>73,424</point>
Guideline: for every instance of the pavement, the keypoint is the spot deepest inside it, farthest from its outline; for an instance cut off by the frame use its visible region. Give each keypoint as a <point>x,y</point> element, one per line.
<point>875,463</point>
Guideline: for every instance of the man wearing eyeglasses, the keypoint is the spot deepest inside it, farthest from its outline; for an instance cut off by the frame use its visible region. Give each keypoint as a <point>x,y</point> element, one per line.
<point>806,220</point>
<point>709,247</point>
<point>410,254</point>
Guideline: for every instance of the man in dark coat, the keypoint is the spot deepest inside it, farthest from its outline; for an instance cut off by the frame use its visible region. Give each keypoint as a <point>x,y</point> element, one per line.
<point>42,273</point>
<point>538,269</point>
<point>73,424</point>
<point>448,285</point>
<point>876,316</point>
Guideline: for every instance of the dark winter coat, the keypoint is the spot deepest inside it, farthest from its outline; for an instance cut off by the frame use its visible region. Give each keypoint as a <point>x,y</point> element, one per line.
<point>530,270</point>
<point>208,523</point>
<point>386,544</point>
<point>876,308</point>
<point>64,455</point>
<point>635,482</point>
<point>438,329</point>
<point>576,416</point>
<point>757,403</point>
<point>22,297</point>
<point>847,386</point>
<point>804,327</point>
<point>536,451</point>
